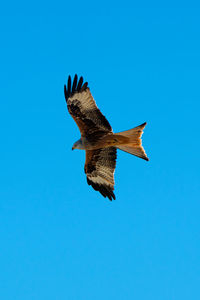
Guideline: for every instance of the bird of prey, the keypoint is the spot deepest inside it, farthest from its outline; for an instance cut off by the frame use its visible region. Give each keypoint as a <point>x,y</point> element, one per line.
<point>97,137</point>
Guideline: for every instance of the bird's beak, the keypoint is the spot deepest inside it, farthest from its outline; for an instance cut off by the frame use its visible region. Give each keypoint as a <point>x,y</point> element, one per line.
<point>72,148</point>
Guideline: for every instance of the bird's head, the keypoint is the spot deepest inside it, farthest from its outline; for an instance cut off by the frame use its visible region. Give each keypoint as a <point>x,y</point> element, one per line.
<point>78,145</point>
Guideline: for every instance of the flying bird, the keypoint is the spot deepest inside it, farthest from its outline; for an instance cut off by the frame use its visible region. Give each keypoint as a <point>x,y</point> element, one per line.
<point>97,137</point>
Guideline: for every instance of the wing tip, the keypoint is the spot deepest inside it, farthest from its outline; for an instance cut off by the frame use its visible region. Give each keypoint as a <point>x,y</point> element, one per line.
<point>105,190</point>
<point>76,86</point>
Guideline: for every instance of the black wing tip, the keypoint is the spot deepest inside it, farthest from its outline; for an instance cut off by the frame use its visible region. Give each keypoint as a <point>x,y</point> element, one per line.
<point>76,86</point>
<point>105,190</point>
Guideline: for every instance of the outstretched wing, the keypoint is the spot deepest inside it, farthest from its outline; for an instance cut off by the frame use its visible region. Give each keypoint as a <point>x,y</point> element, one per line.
<point>83,109</point>
<point>99,168</point>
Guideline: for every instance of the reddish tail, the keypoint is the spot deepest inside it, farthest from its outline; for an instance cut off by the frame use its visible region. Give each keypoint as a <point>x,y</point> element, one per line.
<point>134,142</point>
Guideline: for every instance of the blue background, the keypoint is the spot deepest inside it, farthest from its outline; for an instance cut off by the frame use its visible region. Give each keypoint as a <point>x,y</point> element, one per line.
<point>59,239</point>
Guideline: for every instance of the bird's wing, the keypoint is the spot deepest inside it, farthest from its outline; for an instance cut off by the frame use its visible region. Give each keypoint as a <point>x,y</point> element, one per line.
<point>83,109</point>
<point>99,168</point>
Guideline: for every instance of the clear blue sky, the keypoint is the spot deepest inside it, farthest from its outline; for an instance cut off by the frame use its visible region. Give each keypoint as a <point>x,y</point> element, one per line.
<point>59,239</point>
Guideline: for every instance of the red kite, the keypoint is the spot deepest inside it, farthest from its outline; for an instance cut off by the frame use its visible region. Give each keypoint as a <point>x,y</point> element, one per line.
<point>97,138</point>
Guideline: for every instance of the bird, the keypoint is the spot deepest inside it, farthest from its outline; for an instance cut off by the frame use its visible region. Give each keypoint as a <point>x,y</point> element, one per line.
<point>98,139</point>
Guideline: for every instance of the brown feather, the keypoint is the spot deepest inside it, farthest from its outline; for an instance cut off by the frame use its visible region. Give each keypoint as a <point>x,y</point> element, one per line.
<point>99,168</point>
<point>83,109</point>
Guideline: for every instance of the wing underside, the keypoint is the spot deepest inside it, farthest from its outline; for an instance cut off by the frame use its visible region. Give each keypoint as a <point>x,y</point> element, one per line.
<point>83,109</point>
<point>99,168</point>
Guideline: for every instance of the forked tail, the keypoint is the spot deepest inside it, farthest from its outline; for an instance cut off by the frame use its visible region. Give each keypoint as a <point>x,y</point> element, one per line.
<point>133,144</point>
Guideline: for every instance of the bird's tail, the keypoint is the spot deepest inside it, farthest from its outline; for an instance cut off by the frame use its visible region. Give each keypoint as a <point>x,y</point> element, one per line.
<point>132,141</point>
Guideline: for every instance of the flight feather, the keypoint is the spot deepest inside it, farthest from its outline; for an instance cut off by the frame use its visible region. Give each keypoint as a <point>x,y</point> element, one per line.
<point>99,168</point>
<point>83,109</point>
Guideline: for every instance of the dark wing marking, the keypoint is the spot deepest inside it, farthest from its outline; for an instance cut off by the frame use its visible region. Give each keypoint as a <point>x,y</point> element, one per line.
<point>83,109</point>
<point>99,168</point>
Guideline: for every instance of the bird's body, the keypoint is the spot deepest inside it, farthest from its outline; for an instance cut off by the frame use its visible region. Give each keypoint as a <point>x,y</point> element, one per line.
<point>98,139</point>
<point>106,141</point>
